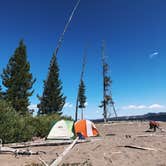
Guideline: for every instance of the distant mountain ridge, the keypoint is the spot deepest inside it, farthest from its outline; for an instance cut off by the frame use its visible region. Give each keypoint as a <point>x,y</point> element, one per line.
<point>161,116</point>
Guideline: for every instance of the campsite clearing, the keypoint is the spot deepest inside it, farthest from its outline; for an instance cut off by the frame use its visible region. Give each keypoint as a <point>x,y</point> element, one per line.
<point>106,150</point>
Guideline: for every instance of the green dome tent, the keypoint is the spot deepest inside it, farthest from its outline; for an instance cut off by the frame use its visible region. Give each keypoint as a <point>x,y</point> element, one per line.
<point>62,129</point>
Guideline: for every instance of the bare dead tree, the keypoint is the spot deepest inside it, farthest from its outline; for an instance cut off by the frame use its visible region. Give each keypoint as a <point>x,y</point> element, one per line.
<point>107,102</point>
<point>81,78</point>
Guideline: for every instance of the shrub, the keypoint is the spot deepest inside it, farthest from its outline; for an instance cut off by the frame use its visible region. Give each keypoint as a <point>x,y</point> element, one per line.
<point>44,123</point>
<point>8,122</point>
<point>17,128</point>
<point>13,127</point>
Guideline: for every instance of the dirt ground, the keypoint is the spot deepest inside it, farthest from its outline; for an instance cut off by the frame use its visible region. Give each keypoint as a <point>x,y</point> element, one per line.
<point>106,150</point>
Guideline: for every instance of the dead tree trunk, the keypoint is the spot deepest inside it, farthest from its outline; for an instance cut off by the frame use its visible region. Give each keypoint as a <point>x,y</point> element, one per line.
<point>107,102</point>
<point>81,77</point>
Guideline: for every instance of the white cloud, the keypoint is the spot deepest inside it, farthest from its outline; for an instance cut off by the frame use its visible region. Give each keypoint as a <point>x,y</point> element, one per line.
<point>33,106</point>
<point>153,54</point>
<point>144,107</point>
<point>86,104</point>
<point>129,107</point>
<point>141,106</point>
<point>157,106</point>
<point>68,105</point>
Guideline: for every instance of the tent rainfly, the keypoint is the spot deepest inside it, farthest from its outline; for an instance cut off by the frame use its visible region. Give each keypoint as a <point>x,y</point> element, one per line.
<point>61,130</point>
<point>86,128</point>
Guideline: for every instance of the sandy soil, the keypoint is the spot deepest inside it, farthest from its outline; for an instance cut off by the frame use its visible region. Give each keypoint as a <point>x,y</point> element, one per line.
<point>106,150</point>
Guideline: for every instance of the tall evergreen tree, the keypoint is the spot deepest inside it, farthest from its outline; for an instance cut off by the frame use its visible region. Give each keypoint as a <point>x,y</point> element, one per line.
<point>1,93</point>
<point>81,86</point>
<point>82,97</point>
<point>52,99</point>
<point>18,80</point>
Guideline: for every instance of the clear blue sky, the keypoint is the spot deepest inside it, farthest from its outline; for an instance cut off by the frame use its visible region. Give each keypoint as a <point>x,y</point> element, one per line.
<point>135,35</point>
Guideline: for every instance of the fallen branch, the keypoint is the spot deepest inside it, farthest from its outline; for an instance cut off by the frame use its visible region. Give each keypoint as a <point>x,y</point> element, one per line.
<point>18,152</point>
<point>116,152</point>
<point>42,143</point>
<point>139,147</point>
<point>43,162</point>
<point>59,159</point>
<point>7,150</point>
<point>110,134</point>
<point>150,135</point>
<point>96,147</point>
<point>39,143</point>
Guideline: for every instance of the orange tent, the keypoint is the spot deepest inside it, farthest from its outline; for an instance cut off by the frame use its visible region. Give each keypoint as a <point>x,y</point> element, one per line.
<point>86,128</point>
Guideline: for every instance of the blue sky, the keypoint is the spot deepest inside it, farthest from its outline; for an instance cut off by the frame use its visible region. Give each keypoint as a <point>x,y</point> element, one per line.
<point>135,37</point>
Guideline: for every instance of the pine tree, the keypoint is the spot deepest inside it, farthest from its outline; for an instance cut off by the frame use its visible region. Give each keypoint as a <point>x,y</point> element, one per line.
<point>18,80</point>
<point>82,97</point>
<point>81,86</point>
<point>52,100</point>
<point>1,93</point>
